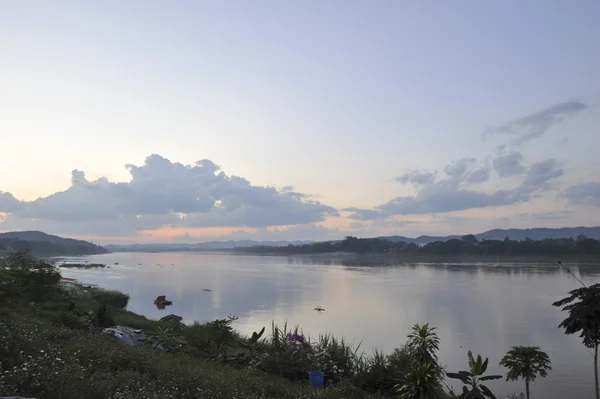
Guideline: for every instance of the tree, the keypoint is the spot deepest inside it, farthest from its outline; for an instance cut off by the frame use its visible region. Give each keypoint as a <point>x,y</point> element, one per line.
<point>526,362</point>
<point>473,388</point>
<point>583,305</point>
<point>470,239</point>
<point>423,378</point>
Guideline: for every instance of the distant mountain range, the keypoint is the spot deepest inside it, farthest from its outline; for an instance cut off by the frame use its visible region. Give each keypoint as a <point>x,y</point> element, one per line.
<point>513,234</point>
<point>42,244</point>
<point>496,234</point>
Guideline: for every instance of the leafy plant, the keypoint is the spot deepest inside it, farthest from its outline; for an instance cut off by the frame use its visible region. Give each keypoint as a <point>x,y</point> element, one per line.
<point>473,389</point>
<point>113,298</point>
<point>421,382</point>
<point>165,338</point>
<point>103,318</point>
<point>583,305</point>
<point>526,362</point>
<point>423,378</point>
<point>212,339</point>
<point>252,342</point>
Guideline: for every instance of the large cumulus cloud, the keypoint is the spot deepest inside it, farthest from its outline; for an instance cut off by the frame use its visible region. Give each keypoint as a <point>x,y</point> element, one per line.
<point>164,193</point>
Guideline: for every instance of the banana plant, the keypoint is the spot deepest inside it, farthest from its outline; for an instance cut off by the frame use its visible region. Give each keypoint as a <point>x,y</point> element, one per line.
<point>251,342</point>
<point>473,389</point>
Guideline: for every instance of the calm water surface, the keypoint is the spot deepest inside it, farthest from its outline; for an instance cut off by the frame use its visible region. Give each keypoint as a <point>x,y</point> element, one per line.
<point>483,307</point>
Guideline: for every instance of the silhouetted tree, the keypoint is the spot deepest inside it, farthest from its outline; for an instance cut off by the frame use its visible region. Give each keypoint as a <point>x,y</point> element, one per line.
<point>583,305</point>
<point>526,362</point>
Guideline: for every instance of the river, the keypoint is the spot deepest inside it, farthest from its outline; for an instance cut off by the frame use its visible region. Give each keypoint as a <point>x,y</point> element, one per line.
<point>482,307</point>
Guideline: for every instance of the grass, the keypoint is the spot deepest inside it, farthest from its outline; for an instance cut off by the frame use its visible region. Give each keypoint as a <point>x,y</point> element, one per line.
<point>42,360</point>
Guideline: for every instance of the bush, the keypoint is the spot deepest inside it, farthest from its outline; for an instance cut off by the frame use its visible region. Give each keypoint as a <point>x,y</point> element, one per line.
<point>112,298</point>
<point>25,277</point>
<point>71,320</point>
<point>103,318</point>
<point>213,339</point>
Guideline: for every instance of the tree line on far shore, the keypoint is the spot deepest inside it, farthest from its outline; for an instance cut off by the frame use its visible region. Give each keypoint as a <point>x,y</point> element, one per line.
<point>468,245</point>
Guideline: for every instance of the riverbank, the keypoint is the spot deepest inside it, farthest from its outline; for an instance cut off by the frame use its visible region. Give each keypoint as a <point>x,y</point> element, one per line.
<point>279,352</point>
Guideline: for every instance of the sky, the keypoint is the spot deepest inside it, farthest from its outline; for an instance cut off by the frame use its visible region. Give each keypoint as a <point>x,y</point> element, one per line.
<point>188,121</point>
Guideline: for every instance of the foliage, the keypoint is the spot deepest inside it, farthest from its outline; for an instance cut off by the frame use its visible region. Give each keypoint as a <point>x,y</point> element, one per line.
<point>71,320</point>
<point>526,362</point>
<point>472,379</point>
<point>25,277</point>
<point>467,245</point>
<point>583,305</point>
<point>39,243</point>
<point>336,357</point>
<point>422,380</point>
<point>113,298</point>
<point>103,318</point>
<point>252,342</point>
<point>44,361</point>
<point>212,339</point>
<point>166,339</point>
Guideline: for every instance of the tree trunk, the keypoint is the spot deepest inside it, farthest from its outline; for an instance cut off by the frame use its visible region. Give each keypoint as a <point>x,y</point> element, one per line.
<point>527,388</point>
<point>596,370</point>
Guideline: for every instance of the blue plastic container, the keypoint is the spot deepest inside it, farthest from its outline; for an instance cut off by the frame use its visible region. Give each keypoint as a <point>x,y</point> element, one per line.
<point>316,379</point>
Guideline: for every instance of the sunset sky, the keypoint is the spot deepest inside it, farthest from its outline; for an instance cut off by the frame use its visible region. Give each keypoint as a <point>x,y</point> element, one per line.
<point>188,121</point>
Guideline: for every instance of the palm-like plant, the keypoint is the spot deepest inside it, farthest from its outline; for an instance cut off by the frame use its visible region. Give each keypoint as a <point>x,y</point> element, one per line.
<point>583,305</point>
<point>423,379</point>
<point>423,343</point>
<point>472,379</point>
<point>526,362</point>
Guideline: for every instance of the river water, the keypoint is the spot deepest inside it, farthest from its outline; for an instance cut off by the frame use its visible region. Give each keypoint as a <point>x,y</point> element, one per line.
<point>482,307</point>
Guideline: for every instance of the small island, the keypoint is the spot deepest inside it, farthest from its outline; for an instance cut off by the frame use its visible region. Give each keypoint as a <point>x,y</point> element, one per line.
<point>83,265</point>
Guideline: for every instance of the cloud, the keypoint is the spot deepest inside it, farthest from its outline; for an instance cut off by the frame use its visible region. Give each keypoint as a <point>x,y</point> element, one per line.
<point>510,164</point>
<point>453,193</point>
<point>535,125</point>
<point>164,193</point>
<point>440,200</point>
<point>8,203</point>
<point>363,214</point>
<point>545,216</point>
<point>457,170</point>
<point>540,173</point>
<point>584,194</point>
<point>418,178</point>
<point>480,175</point>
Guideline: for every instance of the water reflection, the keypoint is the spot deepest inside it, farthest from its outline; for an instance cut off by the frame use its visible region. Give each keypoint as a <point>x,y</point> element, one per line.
<point>478,306</point>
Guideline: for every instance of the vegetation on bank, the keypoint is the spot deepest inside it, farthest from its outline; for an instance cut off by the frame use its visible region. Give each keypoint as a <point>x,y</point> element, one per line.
<point>83,265</point>
<point>466,246</point>
<point>50,348</point>
<point>42,244</point>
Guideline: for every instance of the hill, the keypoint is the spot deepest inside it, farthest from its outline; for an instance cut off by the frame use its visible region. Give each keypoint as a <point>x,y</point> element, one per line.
<point>537,233</point>
<point>42,244</point>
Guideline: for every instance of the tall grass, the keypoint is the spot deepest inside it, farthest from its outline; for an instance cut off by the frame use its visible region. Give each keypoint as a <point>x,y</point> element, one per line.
<point>112,298</point>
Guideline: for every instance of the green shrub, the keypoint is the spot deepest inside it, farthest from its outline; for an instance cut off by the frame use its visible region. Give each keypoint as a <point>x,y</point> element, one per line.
<point>71,320</point>
<point>112,298</point>
<point>103,318</point>
<point>25,277</point>
<point>212,340</point>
